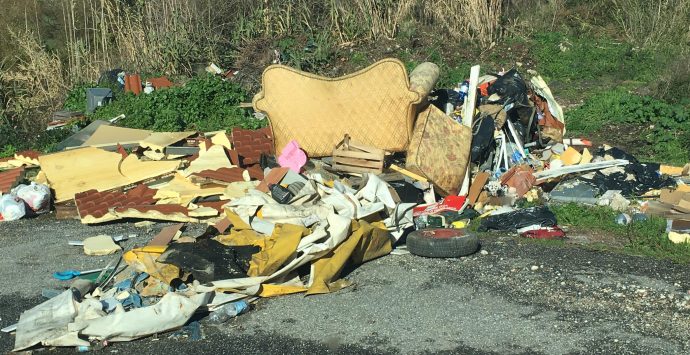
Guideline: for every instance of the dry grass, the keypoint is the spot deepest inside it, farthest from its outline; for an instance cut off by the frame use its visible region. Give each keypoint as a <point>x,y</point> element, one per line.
<point>171,36</point>
<point>35,86</point>
<point>651,23</point>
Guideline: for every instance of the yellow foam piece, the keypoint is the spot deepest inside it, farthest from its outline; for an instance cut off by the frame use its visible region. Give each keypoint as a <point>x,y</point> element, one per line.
<point>586,156</point>
<point>375,106</point>
<point>570,156</point>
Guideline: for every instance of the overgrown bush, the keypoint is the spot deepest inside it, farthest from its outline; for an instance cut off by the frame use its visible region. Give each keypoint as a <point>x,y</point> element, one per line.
<point>205,103</point>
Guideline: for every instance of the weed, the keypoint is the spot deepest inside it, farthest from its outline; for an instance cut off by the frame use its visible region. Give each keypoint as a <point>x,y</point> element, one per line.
<point>643,238</point>
<point>76,98</point>
<point>7,151</point>
<point>554,243</point>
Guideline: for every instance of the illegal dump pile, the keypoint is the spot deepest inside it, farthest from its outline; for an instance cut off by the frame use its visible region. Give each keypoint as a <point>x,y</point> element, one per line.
<point>348,169</point>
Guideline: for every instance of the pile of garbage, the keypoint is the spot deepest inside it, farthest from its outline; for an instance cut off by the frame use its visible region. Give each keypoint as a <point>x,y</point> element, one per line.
<point>348,170</point>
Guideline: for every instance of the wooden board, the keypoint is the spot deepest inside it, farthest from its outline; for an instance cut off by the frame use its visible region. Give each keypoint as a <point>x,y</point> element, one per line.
<point>80,170</point>
<point>157,141</point>
<point>110,135</point>
<point>478,184</point>
<point>222,139</point>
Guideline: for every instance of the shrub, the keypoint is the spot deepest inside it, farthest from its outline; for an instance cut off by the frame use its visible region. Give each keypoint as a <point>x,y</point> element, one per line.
<point>205,103</point>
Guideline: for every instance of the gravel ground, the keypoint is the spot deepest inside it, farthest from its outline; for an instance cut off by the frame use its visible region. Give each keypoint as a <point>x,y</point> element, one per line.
<point>513,297</point>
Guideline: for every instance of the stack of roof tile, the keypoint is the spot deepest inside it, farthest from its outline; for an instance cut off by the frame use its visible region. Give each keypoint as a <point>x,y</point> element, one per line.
<point>10,179</point>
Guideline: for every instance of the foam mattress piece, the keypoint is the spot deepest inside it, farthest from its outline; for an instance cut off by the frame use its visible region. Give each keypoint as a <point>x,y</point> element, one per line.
<point>375,106</point>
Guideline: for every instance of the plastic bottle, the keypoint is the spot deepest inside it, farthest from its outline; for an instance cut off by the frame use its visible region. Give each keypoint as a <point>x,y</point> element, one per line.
<point>230,310</point>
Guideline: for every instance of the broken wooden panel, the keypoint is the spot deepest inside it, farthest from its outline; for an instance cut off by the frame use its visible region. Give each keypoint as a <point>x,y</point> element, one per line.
<point>169,212</point>
<point>158,141</point>
<point>84,169</point>
<point>111,135</point>
<point>211,159</point>
<point>181,191</point>
<point>222,175</point>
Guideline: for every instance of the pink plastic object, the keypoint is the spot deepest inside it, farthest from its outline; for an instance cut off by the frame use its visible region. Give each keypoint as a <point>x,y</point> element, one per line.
<point>292,157</point>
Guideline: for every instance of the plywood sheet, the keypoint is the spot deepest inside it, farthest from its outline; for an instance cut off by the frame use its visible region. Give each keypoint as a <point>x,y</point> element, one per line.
<point>80,170</point>
<point>110,135</point>
<point>222,139</point>
<point>157,141</point>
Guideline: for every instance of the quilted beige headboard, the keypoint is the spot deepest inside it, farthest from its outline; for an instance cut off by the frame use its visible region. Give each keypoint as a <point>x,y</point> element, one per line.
<point>375,106</point>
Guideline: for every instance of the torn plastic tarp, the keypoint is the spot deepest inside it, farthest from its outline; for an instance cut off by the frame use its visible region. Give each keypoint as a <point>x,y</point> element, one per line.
<point>62,321</point>
<point>512,221</point>
<point>47,324</point>
<point>171,312</point>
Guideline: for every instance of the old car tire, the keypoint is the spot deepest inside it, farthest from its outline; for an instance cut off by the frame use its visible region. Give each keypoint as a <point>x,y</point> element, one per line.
<point>442,243</point>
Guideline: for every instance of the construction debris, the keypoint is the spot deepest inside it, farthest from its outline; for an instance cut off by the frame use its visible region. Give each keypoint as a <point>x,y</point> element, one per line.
<point>347,167</point>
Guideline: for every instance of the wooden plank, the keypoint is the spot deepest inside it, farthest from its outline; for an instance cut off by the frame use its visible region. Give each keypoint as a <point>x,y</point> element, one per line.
<point>476,188</point>
<point>471,97</point>
<point>359,162</point>
<point>368,149</point>
<point>358,155</point>
<point>354,169</point>
<point>408,173</point>
<point>166,235</point>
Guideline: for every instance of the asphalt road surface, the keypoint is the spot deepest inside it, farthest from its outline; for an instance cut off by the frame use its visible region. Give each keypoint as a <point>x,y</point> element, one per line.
<point>514,297</point>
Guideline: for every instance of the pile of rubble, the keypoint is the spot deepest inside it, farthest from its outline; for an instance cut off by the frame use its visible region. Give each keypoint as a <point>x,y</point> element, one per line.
<point>348,169</point>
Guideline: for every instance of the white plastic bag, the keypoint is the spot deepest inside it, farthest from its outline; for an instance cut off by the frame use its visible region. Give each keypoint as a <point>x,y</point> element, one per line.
<point>36,196</point>
<point>11,208</point>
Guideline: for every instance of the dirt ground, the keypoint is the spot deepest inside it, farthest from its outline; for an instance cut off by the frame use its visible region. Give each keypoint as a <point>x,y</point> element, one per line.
<point>512,297</point>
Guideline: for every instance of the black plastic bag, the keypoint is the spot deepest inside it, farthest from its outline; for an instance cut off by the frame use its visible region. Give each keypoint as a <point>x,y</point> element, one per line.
<point>209,260</point>
<point>482,139</point>
<point>407,192</point>
<point>441,97</point>
<point>646,176</point>
<point>515,220</point>
<point>511,88</point>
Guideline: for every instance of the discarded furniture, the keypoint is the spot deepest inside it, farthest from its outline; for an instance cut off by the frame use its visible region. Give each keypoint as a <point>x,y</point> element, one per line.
<point>353,157</point>
<point>375,106</point>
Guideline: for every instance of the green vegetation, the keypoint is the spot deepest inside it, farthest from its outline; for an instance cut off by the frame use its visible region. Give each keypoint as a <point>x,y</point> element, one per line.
<point>641,238</point>
<point>205,103</point>
<point>575,58</point>
<point>664,127</point>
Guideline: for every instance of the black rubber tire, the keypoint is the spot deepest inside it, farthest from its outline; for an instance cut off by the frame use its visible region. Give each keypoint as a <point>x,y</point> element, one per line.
<point>442,243</point>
